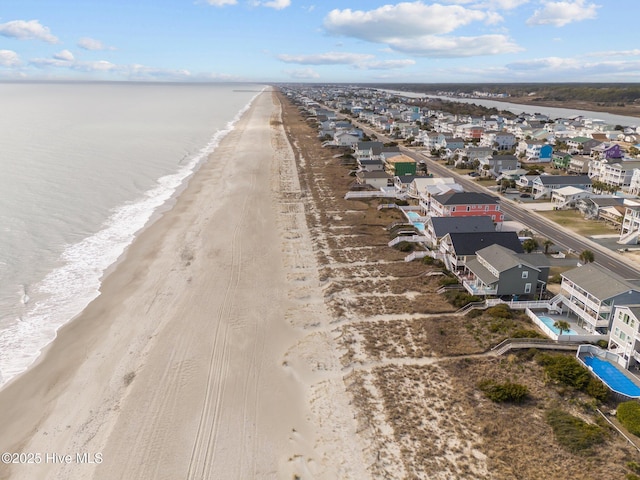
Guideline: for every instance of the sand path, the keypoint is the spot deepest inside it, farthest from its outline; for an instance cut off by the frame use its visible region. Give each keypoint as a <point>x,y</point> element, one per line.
<point>198,360</point>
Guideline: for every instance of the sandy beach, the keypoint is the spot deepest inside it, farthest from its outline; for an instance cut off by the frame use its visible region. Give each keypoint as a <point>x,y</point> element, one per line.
<point>209,353</point>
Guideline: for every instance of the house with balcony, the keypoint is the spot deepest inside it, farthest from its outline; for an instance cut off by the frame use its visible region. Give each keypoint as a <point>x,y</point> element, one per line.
<point>534,151</point>
<point>436,228</point>
<point>578,164</point>
<point>590,293</point>
<point>368,150</point>
<point>497,164</point>
<point>457,249</point>
<point>499,271</point>
<point>500,141</point>
<point>634,184</point>
<point>544,185</point>
<point>561,160</point>
<point>376,179</point>
<point>581,145</point>
<point>607,151</point>
<point>400,165</point>
<point>436,186</point>
<point>630,227</point>
<point>466,204</point>
<point>567,197</point>
<point>624,339</point>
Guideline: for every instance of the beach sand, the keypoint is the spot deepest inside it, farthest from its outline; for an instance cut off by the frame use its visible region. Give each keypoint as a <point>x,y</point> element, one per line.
<point>209,353</point>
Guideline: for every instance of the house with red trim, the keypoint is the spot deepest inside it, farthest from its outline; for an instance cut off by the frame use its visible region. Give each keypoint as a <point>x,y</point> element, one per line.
<point>466,204</point>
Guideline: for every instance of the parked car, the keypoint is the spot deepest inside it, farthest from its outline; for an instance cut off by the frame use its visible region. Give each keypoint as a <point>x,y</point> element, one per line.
<point>474,174</point>
<point>525,195</point>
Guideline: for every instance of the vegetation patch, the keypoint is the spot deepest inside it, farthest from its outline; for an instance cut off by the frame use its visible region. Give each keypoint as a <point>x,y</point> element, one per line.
<point>573,433</point>
<point>460,299</point>
<point>508,392</point>
<point>568,371</point>
<point>628,414</point>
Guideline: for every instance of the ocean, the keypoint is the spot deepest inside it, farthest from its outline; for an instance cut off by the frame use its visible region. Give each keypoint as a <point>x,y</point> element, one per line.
<point>84,167</point>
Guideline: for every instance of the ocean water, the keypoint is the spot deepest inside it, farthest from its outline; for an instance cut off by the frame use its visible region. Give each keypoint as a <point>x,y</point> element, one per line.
<point>83,168</point>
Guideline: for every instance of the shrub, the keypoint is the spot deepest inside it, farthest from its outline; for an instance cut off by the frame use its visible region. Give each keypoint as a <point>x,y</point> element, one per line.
<point>526,333</point>
<point>504,392</point>
<point>501,310</point>
<point>475,313</point>
<point>501,325</point>
<point>405,246</point>
<point>557,278</point>
<point>448,281</point>
<point>460,299</point>
<point>596,389</point>
<point>573,433</point>
<point>565,369</point>
<point>629,415</point>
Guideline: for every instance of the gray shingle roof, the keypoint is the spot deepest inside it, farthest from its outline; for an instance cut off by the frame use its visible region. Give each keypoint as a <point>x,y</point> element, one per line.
<point>599,281</point>
<point>444,225</point>
<point>465,198</point>
<point>470,243</point>
<point>565,180</point>
<point>502,258</point>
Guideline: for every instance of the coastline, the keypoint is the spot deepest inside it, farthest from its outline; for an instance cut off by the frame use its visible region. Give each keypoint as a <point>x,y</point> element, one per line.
<point>194,359</point>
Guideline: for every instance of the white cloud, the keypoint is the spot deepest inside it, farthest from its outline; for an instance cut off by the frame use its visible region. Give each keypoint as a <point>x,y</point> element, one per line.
<point>64,55</point>
<point>277,4</point>
<point>440,47</point>
<point>221,3</point>
<point>562,13</point>
<point>9,58</point>
<point>330,58</point>
<point>27,30</point>
<point>304,74</point>
<point>404,20</point>
<point>490,4</point>
<point>92,44</point>
<point>419,29</point>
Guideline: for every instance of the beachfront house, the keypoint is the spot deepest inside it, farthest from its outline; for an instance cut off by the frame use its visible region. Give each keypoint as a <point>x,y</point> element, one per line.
<point>376,179</point>
<point>466,204</point>
<point>497,270</point>
<point>590,293</point>
<point>624,340</point>
<point>400,165</point>
<point>436,228</point>
<point>497,164</point>
<point>457,249</point>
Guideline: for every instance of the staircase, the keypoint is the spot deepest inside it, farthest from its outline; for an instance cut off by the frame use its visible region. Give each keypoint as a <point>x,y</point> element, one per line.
<point>629,238</point>
<point>407,238</point>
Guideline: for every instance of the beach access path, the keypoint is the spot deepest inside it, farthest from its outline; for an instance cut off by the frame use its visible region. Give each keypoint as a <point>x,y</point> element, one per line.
<point>209,353</point>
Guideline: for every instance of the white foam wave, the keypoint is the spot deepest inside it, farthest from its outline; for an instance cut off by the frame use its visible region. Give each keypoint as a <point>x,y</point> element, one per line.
<point>71,287</point>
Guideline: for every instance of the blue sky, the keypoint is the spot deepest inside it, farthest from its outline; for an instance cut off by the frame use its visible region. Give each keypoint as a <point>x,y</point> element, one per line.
<point>321,40</point>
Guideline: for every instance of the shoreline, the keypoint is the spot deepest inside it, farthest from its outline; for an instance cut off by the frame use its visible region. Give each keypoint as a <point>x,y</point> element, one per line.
<point>195,358</point>
<point>167,197</point>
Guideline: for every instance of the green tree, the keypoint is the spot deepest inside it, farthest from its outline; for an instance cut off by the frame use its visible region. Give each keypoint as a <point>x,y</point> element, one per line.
<point>562,326</point>
<point>587,256</point>
<point>529,245</point>
<point>547,243</point>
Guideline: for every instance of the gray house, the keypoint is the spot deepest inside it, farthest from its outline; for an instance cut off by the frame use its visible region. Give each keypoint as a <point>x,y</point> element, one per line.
<point>458,248</point>
<point>437,227</point>
<point>497,270</point>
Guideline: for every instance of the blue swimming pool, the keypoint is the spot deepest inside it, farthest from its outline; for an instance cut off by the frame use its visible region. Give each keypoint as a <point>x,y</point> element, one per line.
<point>413,216</point>
<point>549,323</point>
<point>612,376</point>
<point>419,226</point>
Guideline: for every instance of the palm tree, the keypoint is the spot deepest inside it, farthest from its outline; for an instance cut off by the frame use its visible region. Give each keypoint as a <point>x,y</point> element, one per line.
<point>547,243</point>
<point>562,326</point>
<point>529,245</point>
<point>587,256</point>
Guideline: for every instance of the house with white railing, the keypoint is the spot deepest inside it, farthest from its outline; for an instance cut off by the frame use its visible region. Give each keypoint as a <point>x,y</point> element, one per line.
<point>590,293</point>
<point>624,340</point>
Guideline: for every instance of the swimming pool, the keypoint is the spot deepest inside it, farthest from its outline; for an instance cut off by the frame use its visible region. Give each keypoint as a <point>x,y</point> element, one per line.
<point>549,323</point>
<point>419,226</point>
<point>413,216</point>
<point>612,376</point>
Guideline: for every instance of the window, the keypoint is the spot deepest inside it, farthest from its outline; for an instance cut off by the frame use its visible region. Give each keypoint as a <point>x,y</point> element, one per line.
<point>525,274</point>
<point>527,288</point>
